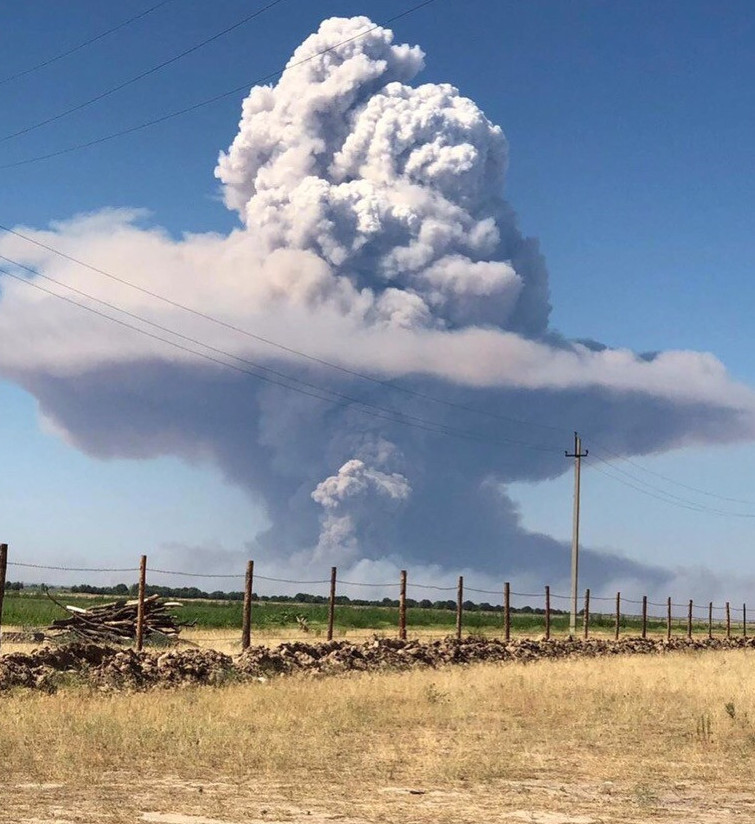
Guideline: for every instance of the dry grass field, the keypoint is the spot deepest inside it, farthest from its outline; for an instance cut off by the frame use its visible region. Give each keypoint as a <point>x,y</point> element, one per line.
<point>617,739</point>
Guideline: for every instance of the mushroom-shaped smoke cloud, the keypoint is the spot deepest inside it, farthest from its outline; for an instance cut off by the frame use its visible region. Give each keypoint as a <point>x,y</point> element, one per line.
<point>375,236</point>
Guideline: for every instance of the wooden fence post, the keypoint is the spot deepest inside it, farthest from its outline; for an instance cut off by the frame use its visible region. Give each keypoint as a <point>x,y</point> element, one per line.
<point>459,606</point>
<point>618,615</point>
<point>744,620</point>
<point>402,607</point>
<point>547,613</point>
<point>507,611</point>
<point>728,620</point>
<point>689,620</point>
<point>668,618</point>
<point>710,619</point>
<point>587,613</point>
<point>644,616</point>
<point>332,603</point>
<point>140,604</point>
<point>246,620</point>
<point>3,569</point>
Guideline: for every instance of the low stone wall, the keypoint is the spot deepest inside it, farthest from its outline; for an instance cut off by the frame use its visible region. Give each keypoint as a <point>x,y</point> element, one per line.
<point>112,668</point>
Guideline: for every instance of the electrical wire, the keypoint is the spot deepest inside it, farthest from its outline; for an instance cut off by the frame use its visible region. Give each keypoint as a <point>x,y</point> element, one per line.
<point>263,373</point>
<point>641,490</point>
<point>138,77</point>
<point>48,62</point>
<point>659,494</point>
<point>688,487</point>
<point>663,495</point>
<point>208,101</point>
<point>259,338</point>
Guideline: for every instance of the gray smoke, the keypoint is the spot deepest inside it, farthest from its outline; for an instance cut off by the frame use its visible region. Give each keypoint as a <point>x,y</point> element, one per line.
<point>375,235</point>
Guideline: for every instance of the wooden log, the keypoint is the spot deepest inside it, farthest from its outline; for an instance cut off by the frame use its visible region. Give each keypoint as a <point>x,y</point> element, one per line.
<point>116,621</point>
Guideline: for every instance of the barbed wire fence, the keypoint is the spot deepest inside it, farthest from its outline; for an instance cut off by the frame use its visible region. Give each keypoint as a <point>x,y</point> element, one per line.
<point>520,614</point>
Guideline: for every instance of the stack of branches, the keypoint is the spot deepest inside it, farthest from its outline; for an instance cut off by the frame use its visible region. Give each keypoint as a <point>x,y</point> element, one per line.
<point>116,621</point>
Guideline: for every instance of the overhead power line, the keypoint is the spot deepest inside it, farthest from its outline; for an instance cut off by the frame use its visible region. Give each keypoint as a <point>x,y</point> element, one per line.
<point>334,397</point>
<point>260,372</point>
<point>267,341</point>
<point>138,77</point>
<point>201,104</point>
<point>632,481</point>
<point>657,489</point>
<point>317,390</point>
<point>48,62</point>
<point>644,488</point>
<point>680,484</point>
<point>661,494</point>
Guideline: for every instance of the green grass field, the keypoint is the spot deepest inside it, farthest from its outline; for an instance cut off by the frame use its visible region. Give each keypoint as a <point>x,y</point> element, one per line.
<point>34,610</point>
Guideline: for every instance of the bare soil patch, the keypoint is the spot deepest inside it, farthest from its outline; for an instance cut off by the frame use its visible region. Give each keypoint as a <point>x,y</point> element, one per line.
<point>174,801</point>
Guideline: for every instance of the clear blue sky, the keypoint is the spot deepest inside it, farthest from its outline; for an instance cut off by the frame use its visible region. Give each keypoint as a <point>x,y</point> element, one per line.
<point>630,128</point>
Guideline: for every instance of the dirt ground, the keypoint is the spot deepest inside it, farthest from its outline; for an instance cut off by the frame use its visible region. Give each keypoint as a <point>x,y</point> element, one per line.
<point>167,800</point>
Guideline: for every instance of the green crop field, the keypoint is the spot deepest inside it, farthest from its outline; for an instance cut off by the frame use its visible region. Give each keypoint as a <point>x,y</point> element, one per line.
<point>36,610</point>
<point>33,609</point>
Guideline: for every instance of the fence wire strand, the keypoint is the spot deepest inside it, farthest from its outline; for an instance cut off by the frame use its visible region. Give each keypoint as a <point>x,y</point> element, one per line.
<point>702,614</point>
<point>72,569</point>
<point>194,574</point>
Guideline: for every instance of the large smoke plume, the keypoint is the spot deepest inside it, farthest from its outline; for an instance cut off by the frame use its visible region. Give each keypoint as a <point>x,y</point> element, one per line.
<point>374,235</point>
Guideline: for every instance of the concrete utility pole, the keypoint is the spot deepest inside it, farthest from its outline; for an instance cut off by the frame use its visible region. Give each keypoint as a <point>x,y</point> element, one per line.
<point>578,454</point>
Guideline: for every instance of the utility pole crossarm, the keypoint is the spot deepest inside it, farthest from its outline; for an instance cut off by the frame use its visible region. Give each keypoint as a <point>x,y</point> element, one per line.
<point>578,454</point>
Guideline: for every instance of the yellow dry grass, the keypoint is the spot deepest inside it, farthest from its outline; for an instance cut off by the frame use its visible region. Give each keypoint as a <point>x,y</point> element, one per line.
<point>615,739</point>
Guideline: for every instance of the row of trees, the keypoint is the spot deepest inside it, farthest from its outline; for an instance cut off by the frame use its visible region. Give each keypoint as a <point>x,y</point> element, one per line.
<point>183,593</point>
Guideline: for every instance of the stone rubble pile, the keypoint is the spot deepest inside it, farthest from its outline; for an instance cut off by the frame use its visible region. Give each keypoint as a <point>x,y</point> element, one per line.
<point>105,667</point>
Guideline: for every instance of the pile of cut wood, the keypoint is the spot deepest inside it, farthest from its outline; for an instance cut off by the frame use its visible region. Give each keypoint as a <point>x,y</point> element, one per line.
<point>107,623</point>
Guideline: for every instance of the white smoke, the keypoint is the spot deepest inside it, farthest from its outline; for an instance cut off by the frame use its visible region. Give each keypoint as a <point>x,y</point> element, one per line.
<point>354,479</point>
<point>375,236</point>
<point>350,499</point>
<point>396,188</point>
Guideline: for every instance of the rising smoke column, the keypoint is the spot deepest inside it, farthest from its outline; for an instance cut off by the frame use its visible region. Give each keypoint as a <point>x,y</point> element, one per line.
<point>397,188</point>
<point>373,233</point>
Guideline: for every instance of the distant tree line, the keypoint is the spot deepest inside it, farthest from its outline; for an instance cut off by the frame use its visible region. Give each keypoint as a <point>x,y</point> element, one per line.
<point>14,586</point>
<point>299,598</point>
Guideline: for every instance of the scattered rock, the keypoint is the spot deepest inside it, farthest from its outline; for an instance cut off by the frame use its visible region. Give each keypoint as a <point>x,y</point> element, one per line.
<point>105,667</point>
